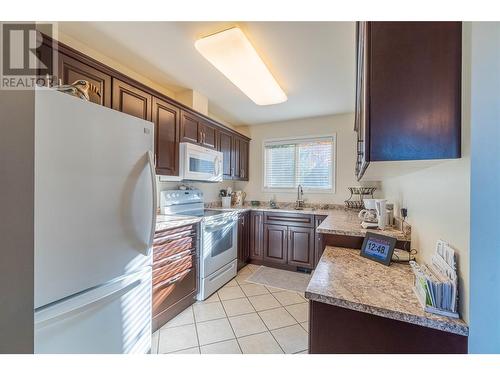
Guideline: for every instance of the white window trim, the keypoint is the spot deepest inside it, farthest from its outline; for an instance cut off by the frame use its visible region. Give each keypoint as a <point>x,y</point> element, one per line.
<point>303,138</point>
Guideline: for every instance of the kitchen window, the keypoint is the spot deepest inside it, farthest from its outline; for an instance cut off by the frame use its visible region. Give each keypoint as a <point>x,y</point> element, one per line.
<point>309,162</point>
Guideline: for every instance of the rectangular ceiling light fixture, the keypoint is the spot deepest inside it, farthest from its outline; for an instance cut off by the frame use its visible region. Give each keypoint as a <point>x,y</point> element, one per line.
<point>234,56</point>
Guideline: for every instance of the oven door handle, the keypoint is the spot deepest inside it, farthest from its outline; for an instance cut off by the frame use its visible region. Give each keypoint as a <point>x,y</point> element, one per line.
<point>219,225</point>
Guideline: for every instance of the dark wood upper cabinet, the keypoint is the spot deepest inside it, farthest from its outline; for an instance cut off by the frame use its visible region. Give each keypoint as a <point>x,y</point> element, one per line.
<point>415,95</point>
<point>131,100</point>
<point>166,118</point>
<point>408,102</point>
<point>174,122</point>
<point>256,235</point>
<point>240,158</point>
<point>235,151</point>
<point>236,158</point>
<point>190,128</point>
<point>208,135</point>
<point>71,70</point>
<point>225,145</point>
<point>244,159</point>
<point>301,247</point>
<point>275,243</point>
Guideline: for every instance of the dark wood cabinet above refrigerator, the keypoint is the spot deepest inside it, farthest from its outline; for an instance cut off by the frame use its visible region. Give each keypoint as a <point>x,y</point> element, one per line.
<point>174,122</point>
<point>408,91</point>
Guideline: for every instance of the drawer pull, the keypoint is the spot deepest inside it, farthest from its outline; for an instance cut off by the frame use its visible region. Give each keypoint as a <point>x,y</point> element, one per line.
<point>287,218</point>
<point>174,258</point>
<point>175,236</point>
<point>172,280</point>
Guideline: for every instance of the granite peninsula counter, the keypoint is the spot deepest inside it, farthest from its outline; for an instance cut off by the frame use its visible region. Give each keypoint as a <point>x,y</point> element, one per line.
<point>339,220</point>
<point>357,305</point>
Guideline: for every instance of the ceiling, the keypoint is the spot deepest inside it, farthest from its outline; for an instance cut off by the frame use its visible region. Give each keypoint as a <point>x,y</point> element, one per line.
<point>314,63</point>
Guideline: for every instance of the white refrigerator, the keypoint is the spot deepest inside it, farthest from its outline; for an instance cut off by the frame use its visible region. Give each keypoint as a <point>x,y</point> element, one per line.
<point>95,213</point>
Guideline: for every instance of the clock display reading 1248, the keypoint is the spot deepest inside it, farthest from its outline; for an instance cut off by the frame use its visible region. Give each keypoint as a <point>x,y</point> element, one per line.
<point>378,247</point>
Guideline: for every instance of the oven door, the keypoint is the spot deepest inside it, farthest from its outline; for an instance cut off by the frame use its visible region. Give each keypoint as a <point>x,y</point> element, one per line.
<point>200,164</point>
<point>219,244</point>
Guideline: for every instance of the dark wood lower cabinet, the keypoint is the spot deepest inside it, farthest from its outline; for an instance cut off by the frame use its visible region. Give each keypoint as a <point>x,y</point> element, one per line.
<point>288,240</point>
<point>175,273</point>
<point>275,243</point>
<point>256,235</point>
<point>335,330</point>
<point>301,247</point>
<point>243,239</point>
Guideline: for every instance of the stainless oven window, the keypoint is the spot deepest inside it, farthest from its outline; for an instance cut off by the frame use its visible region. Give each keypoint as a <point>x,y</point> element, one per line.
<point>219,238</point>
<point>201,165</point>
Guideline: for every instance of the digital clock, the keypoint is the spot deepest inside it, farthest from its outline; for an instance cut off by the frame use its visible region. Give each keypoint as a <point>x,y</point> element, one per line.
<point>378,248</point>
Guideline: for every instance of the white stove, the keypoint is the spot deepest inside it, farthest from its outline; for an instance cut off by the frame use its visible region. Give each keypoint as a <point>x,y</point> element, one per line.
<point>219,237</point>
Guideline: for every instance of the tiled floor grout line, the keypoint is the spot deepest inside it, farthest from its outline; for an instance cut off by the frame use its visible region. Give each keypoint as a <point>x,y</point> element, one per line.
<point>196,329</point>
<point>277,342</point>
<point>226,340</point>
<point>232,329</point>
<point>299,323</point>
<point>240,337</point>
<point>283,306</point>
<point>180,350</point>
<point>275,329</point>
<point>247,297</point>
<point>227,316</point>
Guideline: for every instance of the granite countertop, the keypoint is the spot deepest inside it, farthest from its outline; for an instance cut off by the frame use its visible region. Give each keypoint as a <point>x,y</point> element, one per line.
<point>339,220</point>
<point>343,278</point>
<point>347,223</point>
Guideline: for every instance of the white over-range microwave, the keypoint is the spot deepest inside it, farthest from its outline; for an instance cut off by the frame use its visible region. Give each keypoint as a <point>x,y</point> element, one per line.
<point>199,163</point>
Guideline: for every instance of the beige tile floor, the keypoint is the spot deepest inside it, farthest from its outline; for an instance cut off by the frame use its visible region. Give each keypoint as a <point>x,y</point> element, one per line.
<point>240,318</point>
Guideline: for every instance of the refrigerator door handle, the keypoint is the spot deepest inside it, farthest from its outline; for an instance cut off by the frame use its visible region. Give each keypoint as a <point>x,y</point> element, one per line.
<point>49,314</point>
<point>153,188</point>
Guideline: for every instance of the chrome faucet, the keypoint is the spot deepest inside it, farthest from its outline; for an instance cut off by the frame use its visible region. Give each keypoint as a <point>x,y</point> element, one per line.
<point>299,203</point>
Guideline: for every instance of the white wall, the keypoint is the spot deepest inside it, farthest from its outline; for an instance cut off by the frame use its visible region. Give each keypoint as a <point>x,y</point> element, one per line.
<point>342,125</point>
<point>438,199</point>
<point>485,186</point>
